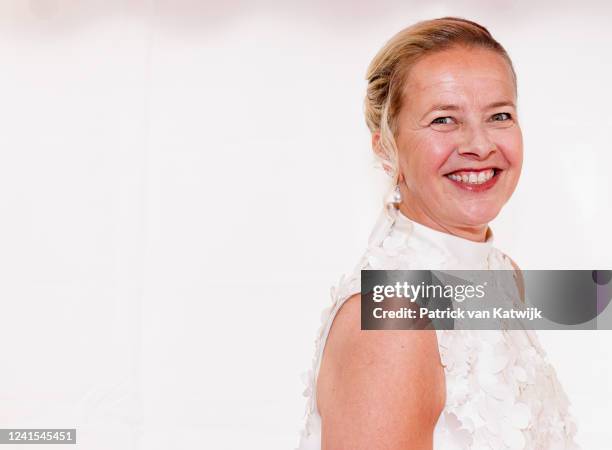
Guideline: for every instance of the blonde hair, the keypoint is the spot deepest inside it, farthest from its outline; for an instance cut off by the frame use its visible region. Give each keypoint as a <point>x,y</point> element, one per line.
<point>388,70</point>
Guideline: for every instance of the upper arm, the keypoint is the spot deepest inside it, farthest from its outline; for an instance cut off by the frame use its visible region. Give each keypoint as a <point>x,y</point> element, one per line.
<point>378,389</point>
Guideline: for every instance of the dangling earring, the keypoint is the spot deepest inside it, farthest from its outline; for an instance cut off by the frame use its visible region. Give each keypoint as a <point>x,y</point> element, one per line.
<point>397,196</point>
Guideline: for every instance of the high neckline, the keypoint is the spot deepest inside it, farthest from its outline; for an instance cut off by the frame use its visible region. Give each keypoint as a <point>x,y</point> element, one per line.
<point>467,251</point>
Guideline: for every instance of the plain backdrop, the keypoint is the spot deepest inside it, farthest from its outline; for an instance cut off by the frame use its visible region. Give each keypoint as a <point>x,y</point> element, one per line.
<point>182,182</point>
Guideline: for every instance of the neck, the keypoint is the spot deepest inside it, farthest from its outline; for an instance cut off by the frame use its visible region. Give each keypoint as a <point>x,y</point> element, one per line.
<point>476,233</point>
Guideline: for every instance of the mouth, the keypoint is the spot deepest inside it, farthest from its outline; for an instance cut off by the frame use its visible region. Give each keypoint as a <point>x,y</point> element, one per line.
<point>475,180</point>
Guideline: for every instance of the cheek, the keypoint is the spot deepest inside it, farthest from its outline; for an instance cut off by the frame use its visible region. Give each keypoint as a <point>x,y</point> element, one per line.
<point>426,156</point>
<point>512,147</point>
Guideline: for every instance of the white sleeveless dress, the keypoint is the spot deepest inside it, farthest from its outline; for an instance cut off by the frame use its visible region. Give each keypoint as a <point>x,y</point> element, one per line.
<point>502,393</point>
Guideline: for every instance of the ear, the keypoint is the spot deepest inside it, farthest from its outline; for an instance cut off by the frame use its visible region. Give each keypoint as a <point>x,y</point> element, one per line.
<point>379,151</point>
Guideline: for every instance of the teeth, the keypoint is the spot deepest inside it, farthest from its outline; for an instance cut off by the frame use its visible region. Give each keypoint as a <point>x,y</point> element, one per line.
<point>472,177</point>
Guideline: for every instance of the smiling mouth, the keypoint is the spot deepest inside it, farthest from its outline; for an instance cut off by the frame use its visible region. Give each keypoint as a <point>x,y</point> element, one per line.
<point>475,179</point>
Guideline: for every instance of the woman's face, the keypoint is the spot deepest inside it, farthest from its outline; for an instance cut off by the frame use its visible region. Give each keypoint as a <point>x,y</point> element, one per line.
<point>459,141</point>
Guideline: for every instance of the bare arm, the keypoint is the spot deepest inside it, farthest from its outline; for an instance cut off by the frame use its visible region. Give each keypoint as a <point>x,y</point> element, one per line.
<point>378,389</point>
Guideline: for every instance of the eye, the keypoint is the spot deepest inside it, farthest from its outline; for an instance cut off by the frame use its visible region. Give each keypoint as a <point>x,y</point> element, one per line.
<point>500,117</point>
<point>442,120</point>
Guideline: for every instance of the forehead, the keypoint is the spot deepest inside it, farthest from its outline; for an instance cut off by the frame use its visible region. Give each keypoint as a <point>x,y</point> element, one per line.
<point>459,74</point>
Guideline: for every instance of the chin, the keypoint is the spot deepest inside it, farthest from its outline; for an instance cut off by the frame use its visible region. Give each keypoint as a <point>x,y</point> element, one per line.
<point>478,216</point>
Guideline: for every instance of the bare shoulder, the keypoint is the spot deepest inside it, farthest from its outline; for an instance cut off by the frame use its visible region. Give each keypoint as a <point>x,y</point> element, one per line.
<point>378,389</point>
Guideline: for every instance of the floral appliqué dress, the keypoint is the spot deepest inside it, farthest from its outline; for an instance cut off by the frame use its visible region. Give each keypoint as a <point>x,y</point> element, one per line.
<point>502,392</point>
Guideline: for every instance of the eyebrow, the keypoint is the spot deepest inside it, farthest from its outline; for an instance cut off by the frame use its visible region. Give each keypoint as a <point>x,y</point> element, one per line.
<point>451,107</point>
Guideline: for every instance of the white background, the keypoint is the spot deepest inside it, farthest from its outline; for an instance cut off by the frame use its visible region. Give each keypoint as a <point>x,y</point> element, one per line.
<point>181,183</point>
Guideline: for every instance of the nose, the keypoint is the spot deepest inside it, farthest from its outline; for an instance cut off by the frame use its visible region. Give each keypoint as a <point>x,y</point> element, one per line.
<point>476,143</point>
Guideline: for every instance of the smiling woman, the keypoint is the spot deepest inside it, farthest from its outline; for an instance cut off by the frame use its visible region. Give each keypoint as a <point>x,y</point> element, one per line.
<point>441,107</point>
<point>457,135</point>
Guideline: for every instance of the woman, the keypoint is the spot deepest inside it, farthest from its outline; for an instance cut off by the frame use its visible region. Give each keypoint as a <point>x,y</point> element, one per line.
<point>441,107</point>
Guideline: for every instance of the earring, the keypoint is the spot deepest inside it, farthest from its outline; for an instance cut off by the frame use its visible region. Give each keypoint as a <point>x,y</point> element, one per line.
<point>397,196</point>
